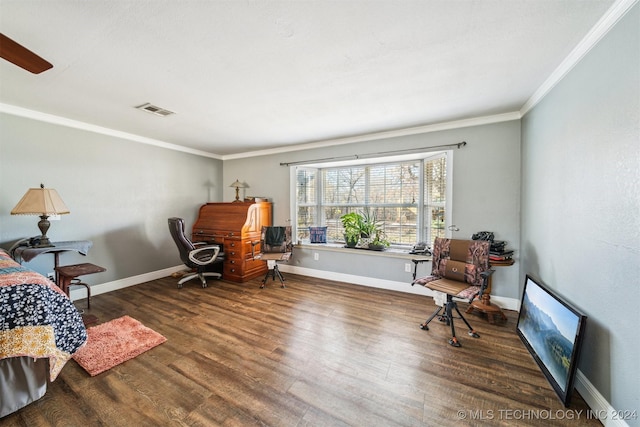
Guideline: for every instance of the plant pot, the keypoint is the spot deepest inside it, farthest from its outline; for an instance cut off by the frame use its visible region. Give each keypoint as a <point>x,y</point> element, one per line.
<point>350,243</point>
<point>373,247</point>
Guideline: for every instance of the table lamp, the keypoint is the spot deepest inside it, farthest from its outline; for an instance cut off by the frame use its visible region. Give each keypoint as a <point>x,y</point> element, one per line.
<point>238,185</point>
<point>43,202</point>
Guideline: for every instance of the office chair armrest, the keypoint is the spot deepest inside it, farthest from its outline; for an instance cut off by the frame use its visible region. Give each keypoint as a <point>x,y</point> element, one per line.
<point>253,245</point>
<point>485,274</point>
<point>214,248</point>
<point>485,281</point>
<point>415,267</point>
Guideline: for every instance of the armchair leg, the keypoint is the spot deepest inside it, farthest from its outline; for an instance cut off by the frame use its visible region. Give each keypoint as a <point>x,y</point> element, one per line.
<point>266,276</point>
<point>425,325</point>
<point>447,317</point>
<point>272,272</point>
<point>276,270</point>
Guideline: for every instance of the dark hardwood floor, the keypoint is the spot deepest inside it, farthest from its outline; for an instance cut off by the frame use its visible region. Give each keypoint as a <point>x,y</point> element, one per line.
<point>317,353</point>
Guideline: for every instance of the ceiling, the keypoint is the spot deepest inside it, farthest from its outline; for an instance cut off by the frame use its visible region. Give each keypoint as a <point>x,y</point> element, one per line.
<point>246,76</point>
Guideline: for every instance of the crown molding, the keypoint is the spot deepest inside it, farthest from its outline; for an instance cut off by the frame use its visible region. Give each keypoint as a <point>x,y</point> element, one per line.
<point>62,121</point>
<point>602,27</point>
<point>478,121</point>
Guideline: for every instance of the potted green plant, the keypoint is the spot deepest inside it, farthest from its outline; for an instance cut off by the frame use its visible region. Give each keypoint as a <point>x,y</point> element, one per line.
<point>352,223</point>
<point>369,224</point>
<point>379,241</point>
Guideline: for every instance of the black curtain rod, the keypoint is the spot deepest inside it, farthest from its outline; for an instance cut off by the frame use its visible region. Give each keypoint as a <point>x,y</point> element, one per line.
<point>379,154</point>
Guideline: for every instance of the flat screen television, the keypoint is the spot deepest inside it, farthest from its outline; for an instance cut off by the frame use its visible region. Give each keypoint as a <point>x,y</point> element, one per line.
<point>552,331</point>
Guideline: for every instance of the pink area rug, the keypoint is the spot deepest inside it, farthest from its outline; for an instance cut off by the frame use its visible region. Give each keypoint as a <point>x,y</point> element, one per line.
<point>115,342</point>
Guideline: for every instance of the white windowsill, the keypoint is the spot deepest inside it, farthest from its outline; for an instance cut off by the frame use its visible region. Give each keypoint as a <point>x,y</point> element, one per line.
<point>337,247</point>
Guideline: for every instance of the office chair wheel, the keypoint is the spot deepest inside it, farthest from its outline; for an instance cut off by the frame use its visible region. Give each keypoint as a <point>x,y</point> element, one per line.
<point>424,326</point>
<point>454,342</point>
<point>473,334</point>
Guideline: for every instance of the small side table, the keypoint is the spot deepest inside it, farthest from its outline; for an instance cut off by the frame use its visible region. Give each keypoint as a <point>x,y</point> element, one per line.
<point>69,277</point>
<point>484,305</point>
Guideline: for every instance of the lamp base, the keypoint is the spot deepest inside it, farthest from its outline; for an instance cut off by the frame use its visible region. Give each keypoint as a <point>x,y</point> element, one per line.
<point>43,225</point>
<point>41,242</point>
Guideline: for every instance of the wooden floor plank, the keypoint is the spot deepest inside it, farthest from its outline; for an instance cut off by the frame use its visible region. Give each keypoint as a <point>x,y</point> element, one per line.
<point>317,353</point>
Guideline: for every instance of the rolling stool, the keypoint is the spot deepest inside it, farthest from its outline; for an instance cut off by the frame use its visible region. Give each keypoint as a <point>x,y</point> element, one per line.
<point>69,277</point>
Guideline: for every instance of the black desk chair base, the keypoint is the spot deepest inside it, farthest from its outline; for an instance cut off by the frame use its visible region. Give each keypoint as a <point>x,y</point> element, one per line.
<point>272,272</point>
<point>447,317</point>
<point>201,276</point>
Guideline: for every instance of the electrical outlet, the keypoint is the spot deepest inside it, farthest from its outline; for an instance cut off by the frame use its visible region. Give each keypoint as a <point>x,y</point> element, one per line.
<point>316,256</point>
<point>51,276</point>
<point>407,267</point>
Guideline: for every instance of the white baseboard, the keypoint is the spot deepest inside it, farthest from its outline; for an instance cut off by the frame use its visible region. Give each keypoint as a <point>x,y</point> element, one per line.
<point>504,302</point>
<point>79,292</point>
<point>600,408</point>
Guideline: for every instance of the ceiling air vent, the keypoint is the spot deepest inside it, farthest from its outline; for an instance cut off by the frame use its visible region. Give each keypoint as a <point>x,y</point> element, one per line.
<point>154,110</point>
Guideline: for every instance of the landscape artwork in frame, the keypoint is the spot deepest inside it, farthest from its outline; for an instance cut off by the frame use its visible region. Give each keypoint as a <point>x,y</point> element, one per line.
<point>552,331</point>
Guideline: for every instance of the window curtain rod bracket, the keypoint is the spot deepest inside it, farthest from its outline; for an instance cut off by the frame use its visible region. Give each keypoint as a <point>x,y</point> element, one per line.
<point>378,154</point>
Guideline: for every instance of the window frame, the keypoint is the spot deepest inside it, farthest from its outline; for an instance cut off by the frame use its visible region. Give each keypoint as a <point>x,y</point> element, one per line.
<point>421,223</point>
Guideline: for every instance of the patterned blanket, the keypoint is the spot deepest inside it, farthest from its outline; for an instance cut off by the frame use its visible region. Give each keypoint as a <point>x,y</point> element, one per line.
<point>37,319</point>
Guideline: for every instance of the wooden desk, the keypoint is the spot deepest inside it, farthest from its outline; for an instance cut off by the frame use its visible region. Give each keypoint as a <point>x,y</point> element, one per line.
<point>234,226</point>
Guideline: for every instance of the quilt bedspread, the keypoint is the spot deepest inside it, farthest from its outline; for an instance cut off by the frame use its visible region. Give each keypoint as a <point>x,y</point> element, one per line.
<point>37,319</point>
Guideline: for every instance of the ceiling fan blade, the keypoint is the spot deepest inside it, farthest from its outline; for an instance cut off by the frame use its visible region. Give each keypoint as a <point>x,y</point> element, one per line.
<point>21,56</point>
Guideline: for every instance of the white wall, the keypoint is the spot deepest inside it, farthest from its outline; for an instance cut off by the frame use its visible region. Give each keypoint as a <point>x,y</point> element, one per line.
<point>120,194</point>
<point>581,205</point>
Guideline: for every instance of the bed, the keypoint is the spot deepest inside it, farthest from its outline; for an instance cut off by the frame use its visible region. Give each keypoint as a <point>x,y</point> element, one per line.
<point>40,329</point>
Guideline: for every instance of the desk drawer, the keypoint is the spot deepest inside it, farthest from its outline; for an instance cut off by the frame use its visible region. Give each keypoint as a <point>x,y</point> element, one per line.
<point>243,270</point>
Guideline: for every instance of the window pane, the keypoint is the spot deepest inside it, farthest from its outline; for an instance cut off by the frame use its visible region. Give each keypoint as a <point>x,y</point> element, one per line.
<point>344,186</point>
<point>306,198</point>
<point>400,224</point>
<point>306,186</point>
<point>435,177</point>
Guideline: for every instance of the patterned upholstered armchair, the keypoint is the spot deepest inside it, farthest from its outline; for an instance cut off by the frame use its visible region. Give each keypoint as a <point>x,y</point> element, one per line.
<point>275,245</point>
<point>460,269</point>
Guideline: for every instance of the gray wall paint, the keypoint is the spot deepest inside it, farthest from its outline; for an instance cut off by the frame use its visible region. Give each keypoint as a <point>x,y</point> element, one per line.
<point>581,205</point>
<point>120,194</point>
<point>486,184</point>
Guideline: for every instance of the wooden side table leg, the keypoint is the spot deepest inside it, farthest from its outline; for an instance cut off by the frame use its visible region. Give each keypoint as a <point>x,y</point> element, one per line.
<point>486,307</point>
<point>63,283</point>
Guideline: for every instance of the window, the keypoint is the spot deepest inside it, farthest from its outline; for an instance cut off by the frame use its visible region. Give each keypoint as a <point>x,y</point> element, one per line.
<point>409,198</point>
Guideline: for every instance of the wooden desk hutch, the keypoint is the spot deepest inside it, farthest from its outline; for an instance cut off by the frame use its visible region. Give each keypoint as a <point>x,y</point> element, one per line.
<point>234,226</point>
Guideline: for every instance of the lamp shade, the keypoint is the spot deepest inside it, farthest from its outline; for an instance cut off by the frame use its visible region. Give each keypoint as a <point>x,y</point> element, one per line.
<point>40,201</point>
<point>238,184</point>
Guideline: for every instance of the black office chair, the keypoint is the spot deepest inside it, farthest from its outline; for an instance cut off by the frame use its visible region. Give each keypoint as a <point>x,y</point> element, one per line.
<point>198,256</point>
